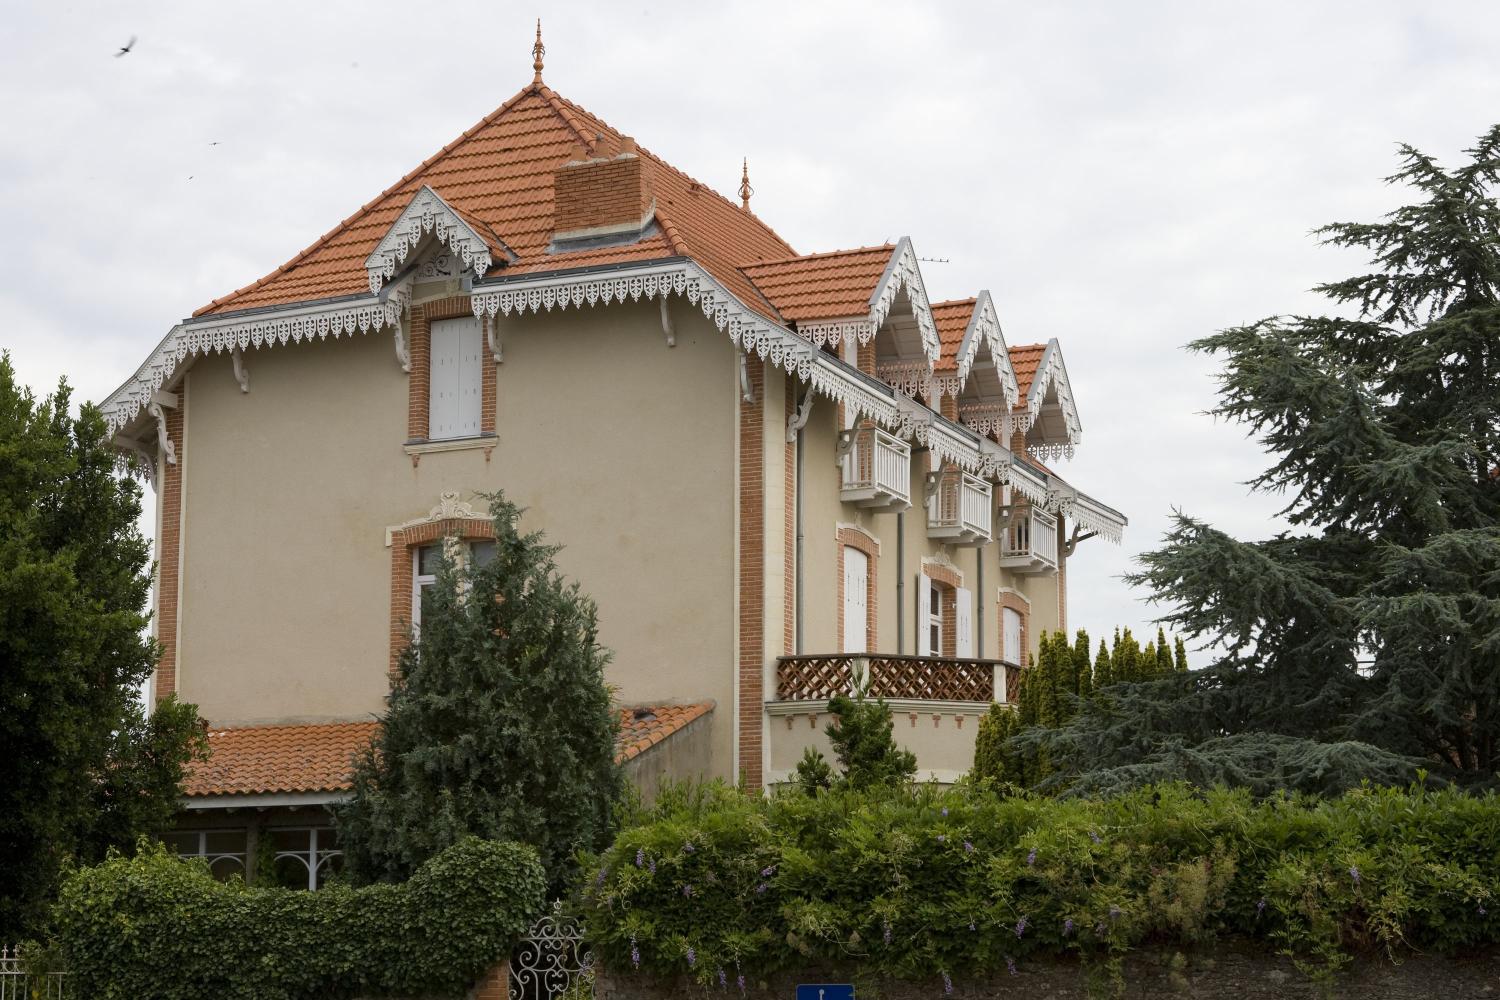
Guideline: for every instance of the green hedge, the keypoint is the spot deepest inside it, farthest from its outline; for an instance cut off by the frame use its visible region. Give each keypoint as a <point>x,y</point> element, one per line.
<point>920,883</point>
<point>155,926</point>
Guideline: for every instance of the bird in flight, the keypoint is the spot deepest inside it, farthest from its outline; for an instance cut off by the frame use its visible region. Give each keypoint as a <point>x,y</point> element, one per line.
<point>126,47</point>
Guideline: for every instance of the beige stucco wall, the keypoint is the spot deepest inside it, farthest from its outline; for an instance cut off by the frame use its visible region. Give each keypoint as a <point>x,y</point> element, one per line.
<point>941,734</point>
<point>620,448</point>
<point>823,513</point>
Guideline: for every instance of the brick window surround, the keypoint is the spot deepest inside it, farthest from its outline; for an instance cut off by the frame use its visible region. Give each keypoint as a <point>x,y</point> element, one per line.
<point>403,542</point>
<point>849,536</point>
<point>948,581</point>
<point>419,350</point>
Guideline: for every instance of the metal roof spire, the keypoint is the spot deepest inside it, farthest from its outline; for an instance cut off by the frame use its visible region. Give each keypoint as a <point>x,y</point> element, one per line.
<point>745,189</point>
<point>538,50</point>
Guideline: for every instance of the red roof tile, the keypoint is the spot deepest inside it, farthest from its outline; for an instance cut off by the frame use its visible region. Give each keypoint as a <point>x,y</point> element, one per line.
<point>1024,360</point>
<point>834,285</point>
<point>499,175</point>
<point>261,760</point>
<point>952,319</point>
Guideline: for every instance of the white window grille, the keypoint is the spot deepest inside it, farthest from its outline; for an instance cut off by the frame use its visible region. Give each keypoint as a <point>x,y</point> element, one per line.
<point>935,620</point>
<point>304,857</point>
<point>224,850</point>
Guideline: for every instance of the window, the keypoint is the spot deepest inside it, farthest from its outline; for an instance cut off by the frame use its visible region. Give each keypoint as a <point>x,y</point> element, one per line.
<point>455,379</point>
<point>302,858</point>
<point>1010,620</point>
<point>426,560</point>
<point>224,850</point>
<point>935,620</point>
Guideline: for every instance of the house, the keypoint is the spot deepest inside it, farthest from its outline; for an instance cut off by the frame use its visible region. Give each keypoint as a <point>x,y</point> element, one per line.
<point>778,474</point>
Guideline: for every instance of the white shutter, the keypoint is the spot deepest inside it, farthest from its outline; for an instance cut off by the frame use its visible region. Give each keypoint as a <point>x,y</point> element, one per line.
<point>470,376</point>
<point>1011,645</point>
<point>856,600</point>
<point>442,381</point>
<point>963,622</point>
<point>924,614</point>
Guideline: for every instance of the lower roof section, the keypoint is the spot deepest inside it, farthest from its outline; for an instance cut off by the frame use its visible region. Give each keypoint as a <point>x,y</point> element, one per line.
<point>309,764</point>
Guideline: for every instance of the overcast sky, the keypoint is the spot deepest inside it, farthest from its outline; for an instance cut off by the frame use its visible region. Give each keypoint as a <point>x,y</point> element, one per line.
<point>1124,177</point>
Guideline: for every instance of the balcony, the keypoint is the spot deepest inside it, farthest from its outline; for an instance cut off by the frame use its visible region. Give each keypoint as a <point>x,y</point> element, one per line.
<point>1030,542</point>
<point>894,678</point>
<point>961,510</point>
<point>876,469</point>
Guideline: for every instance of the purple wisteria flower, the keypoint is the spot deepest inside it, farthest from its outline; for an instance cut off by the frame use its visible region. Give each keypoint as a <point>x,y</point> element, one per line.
<point>762,888</point>
<point>651,865</point>
<point>687,889</point>
<point>688,848</point>
<point>947,984</point>
<point>1010,965</point>
<point>1095,837</point>
<point>887,933</point>
<point>739,981</point>
<point>942,839</point>
<point>1114,913</point>
<point>968,847</point>
<point>1031,857</point>
<point>603,874</point>
<point>768,871</point>
<point>1260,906</point>
<point>635,953</point>
<point>640,857</point>
<point>945,810</point>
<point>1067,927</point>
<point>1482,910</point>
<point>1354,874</point>
<point>692,957</point>
<point>1021,926</point>
<point>723,978</point>
<point>972,927</point>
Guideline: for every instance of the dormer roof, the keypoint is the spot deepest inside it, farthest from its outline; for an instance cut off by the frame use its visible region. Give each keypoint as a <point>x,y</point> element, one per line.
<point>1046,399</point>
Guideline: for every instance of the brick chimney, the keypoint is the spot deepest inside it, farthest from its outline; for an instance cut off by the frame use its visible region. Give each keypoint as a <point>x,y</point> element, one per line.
<point>601,195</point>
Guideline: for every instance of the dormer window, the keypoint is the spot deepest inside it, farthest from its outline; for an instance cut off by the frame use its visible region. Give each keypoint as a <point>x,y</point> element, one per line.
<point>456,375</point>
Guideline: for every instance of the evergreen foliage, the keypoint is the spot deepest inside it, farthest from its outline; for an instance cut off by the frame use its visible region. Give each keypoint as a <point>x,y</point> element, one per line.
<point>1011,748</point>
<point>915,883</point>
<point>862,734</point>
<point>1366,639</point>
<point>498,723</point>
<point>156,926</point>
<point>89,769</point>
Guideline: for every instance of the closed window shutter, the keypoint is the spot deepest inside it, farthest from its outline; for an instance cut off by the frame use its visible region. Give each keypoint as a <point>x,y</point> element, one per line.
<point>924,615</point>
<point>963,615</point>
<point>1012,622</point>
<point>455,386</point>
<point>856,605</point>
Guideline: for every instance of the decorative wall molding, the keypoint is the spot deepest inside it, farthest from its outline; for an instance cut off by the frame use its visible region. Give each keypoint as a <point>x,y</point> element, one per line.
<point>449,508</point>
<point>426,213</point>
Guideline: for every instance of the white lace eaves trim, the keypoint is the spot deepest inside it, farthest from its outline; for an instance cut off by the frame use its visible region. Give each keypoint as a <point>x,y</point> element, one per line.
<point>1052,373</point>
<point>213,335</point>
<point>984,330</point>
<point>426,213</point>
<point>903,273</point>
<point>838,331</point>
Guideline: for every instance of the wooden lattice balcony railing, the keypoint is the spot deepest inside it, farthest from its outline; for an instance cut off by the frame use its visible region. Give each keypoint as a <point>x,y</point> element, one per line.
<point>921,678</point>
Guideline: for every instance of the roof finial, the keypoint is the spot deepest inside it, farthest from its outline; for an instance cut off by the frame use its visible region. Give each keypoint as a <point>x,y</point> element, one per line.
<point>745,189</point>
<point>538,50</point>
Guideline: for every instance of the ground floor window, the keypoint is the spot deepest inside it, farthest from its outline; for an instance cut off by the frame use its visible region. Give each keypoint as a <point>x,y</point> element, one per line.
<point>224,850</point>
<point>301,858</point>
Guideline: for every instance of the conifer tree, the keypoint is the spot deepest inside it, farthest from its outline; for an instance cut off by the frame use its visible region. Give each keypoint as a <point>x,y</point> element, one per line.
<point>1163,654</point>
<point>1365,640</point>
<point>1103,667</point>
<point>1081,667</point>
<point>498,723</point>
<point>1179,662</point>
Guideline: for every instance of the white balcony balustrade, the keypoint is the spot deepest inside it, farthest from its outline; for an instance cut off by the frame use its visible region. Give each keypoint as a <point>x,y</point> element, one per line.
<point>876,469</point>
<point>961,509</point>
<point>1030,542</point>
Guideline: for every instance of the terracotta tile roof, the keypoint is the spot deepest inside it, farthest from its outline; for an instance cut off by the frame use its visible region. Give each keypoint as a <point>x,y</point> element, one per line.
<point>833,285</point>
<point>263,760</point>
<point>498,177</point>
<point>637,735</point>
<point>1024,360</point>
<point>272,759</point>
<point>952,319</point>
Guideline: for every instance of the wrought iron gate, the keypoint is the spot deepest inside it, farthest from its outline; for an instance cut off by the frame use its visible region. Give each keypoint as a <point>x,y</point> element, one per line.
<point>552,960</point>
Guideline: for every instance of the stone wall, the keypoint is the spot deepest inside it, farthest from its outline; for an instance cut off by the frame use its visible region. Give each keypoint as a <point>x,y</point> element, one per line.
<point>1227,971</point>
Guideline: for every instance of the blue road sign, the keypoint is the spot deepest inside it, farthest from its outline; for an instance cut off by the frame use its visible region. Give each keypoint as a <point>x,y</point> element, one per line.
<point>825,991</point>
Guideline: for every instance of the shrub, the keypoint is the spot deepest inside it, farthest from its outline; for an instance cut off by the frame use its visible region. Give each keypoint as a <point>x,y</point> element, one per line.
<point>156,926</point>
<point>915,882</point>
<point>861,734</point>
